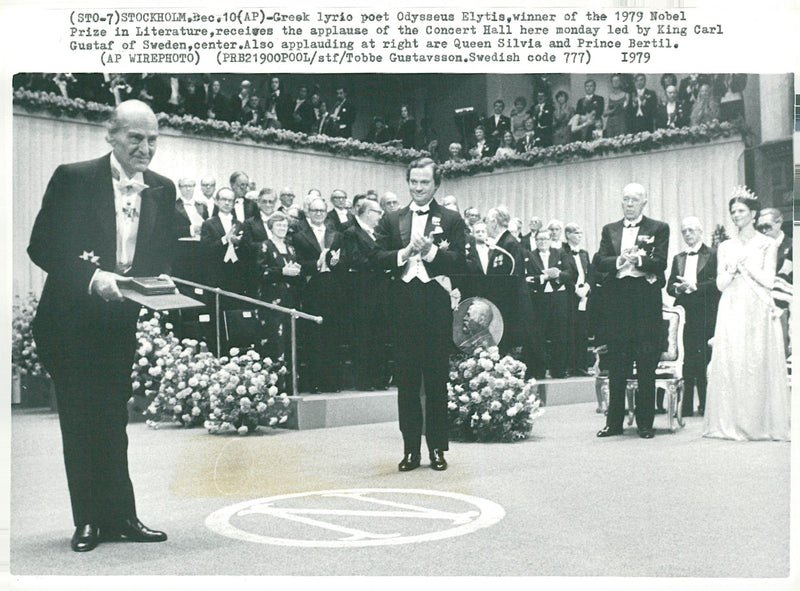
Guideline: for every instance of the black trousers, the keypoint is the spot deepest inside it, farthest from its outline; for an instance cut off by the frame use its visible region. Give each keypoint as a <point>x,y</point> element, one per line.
<point>424,344</point>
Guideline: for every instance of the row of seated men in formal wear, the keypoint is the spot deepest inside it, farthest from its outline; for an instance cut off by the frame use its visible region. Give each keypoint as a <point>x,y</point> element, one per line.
<point>631,107</point>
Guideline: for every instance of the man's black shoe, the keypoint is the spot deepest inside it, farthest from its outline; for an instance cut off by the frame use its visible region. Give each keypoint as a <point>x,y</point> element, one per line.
<point>609,432</point>
<point>133,530</point>
<point>646,433</point>
<point>85,538</point>
<point>437,460</point>
<point>409,462</point>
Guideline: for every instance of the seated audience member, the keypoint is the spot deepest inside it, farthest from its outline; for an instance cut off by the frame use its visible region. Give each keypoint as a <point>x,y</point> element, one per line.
<point>642,107</point>
<point>588,113</point>
<point>728,89</point>
<point>379,133</point>
<point>551,280</point>
<point>496,124</point>
<point>578,259</point>
<point>518,116</point>
<point>670,114</point>
<point>221,237</point>
<point>252,114</point>
<point>455,151</point>
<point>706,108</point>
<point>343,114</point>
<point>317,246</point>
<point>497,225</point>
<point>406,130</point>
<point>542,113</point>
<point>239,101</point>
<point>481,148</point>
<point>562,114</point>
<point>368,284</point>
<point>193,100</point>
<point>303,116</point>
<point>217,104</point>
<point>528,140</point>
<point>389,202</point>
<point>339,217</point>
<point>279,283</point>
<point>506,148</point>
<point>528,240</point>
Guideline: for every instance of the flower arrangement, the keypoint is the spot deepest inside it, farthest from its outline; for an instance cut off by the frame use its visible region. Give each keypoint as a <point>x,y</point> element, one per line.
<point>243,394</point>
<point>489,398</point>
<point>24,356</point>
<point>146,372</point>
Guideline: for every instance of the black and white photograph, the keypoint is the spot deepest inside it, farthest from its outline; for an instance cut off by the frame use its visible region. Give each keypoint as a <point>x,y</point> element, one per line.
<point>373,320</point>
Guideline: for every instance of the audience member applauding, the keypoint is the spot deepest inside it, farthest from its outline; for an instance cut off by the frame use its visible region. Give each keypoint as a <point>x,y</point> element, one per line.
<point>588,113</point>
<point>692,282</point>
<point>518,116</point>
<point>748,389</point>
<point>496,124</point>
<point>279,283</point>
<point>303,117</point>
<point>343,115</point>
<point>706,108</point>
<point>528,140</point>
<point>406,130</point>
<point>221,237</point>
<point>562,114</point>
<point>542,114</point>
<point>670,114</point>
<point>217,104</point>
<point>481,148</point>
<point>643,106</point>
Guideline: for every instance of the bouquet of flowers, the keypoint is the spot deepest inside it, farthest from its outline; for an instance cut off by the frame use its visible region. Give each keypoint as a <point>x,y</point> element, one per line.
<point>147,371</point>
<point>185,369</point>
<point>489,398</point>
<point>243,394</point>
<point>24,357</point>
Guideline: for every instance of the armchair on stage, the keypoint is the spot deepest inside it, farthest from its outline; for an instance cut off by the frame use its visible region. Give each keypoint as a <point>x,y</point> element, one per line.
<point>669,373</point>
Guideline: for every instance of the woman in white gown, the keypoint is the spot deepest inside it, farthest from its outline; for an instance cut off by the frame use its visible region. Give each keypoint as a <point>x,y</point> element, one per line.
<point>748,389</point>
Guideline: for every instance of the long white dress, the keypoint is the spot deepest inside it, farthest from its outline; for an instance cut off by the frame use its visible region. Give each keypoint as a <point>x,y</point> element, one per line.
<point>748,388</point>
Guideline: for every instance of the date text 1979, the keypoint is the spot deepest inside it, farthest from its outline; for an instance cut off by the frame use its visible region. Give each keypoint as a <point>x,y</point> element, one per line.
<point>636,16</point>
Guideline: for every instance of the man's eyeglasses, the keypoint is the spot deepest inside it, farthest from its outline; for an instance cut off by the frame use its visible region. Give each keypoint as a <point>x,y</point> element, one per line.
<point>764,227</point>
<point>317,210</point>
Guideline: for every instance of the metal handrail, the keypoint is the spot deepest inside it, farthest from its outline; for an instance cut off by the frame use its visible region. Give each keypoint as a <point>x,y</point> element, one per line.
<point>294,315</point>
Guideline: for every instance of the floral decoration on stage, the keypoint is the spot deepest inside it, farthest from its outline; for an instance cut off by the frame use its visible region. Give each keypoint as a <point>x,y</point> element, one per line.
<point>58,106</point>
<point>489,398</point>
<point>24,357</point>
<point>187,384</point>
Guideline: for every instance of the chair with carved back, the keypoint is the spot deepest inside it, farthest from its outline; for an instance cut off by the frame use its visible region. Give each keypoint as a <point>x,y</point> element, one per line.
<point>669,373</point>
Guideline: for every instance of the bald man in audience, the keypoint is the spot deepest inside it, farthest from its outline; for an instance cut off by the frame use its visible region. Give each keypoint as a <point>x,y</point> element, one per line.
<point>389,202</point>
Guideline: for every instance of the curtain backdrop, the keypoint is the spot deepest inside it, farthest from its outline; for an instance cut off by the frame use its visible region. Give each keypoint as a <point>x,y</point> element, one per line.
<point>695,180</point>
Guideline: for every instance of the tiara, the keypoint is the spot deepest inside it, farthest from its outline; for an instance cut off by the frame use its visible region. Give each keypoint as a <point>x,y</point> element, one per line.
<point>742,192</point>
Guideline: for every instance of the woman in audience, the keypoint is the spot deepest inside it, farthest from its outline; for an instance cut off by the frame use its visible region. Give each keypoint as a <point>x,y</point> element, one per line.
<point>518,116</point>
<point>579,123</point>
<point>562,113</point>
<point>706,108</point>
<point>280,280</point>
<point>616,115</point>
<point>506,147</point>
<point>455,151</point>
<point>406,130</point>
<point>748,390</point>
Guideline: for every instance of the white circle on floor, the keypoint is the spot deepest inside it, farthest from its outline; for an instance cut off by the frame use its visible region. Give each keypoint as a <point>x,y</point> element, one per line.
<point>355,517</point>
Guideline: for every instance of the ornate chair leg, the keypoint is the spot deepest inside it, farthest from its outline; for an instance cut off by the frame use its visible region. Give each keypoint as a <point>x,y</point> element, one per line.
<point>630,393</point>
<point>680,402</point>
<point>671,405</point>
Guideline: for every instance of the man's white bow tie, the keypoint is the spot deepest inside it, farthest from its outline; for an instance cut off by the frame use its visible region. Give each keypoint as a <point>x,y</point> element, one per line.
<point>130,186</point>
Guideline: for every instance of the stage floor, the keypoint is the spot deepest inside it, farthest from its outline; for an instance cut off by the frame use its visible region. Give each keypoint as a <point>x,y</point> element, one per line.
<point>570,504</point>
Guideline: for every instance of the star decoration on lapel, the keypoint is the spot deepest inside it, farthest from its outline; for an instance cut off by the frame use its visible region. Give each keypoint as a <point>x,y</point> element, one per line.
<point>90,257</point>
<point>443,245</point>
